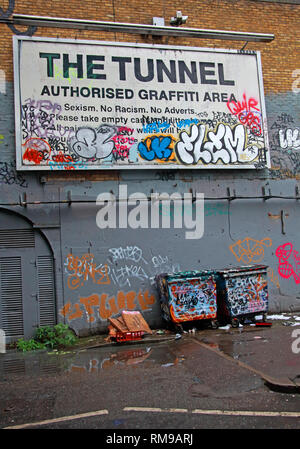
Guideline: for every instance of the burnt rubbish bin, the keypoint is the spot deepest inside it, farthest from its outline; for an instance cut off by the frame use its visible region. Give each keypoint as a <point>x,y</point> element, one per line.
<point>242,294</point>
<point>188,296</point>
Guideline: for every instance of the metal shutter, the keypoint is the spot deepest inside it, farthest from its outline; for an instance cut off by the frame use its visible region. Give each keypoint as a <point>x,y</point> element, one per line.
<point>46,293</point>
<point>11,296</point>
<point>17,238</point>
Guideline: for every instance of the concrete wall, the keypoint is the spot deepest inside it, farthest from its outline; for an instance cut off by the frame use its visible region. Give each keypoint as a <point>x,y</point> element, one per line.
<point>100,272</point>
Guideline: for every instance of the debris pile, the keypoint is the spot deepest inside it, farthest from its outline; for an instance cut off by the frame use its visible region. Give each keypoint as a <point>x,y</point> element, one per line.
<point>129,326</point>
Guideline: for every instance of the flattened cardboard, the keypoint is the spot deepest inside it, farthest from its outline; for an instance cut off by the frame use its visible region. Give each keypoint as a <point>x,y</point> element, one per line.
<point>135,321</point>
<point>119,324</point>
<point>112,331</point>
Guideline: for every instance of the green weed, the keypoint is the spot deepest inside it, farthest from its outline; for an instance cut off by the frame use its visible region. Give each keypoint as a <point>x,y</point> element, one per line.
<point>48,337</point>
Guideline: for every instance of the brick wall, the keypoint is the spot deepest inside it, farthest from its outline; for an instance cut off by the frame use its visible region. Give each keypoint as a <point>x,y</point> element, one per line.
<point>280,57</point>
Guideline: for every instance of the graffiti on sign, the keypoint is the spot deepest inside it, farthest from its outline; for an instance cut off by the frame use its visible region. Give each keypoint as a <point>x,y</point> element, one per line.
<point>247,112</point>
<point>156,147</point>
<point>89,143</point>
<point>71,101</point>
<point>225,144</point>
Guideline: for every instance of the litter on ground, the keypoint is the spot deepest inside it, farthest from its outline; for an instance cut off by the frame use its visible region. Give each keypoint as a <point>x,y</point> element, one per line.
<point>278,317</point>
<point>129,326</point>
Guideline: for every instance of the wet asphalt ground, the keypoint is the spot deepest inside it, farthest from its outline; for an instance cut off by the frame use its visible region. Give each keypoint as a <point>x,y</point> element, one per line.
<point>245,378</point>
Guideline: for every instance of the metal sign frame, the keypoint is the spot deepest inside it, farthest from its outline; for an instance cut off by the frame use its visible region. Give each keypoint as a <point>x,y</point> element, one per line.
<point>232,137</point>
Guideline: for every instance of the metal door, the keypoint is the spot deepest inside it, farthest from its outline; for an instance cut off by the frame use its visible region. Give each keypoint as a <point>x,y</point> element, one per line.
<point>27,290</point>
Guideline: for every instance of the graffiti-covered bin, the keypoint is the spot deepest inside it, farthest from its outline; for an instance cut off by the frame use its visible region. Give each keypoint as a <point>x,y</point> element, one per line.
<point>188,296</point>
<point>242,293</point>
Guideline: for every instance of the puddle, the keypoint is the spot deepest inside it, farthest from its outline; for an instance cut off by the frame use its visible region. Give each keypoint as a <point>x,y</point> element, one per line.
<point>85,361</point>
<point>236,349</point>
<point>146,355</point>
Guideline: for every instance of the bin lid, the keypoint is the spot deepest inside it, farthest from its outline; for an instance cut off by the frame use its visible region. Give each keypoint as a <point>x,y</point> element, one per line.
<point>246,269</point>
<point>187,275</point>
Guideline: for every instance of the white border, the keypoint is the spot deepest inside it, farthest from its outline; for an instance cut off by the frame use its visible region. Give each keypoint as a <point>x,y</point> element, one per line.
<point>17,42</point>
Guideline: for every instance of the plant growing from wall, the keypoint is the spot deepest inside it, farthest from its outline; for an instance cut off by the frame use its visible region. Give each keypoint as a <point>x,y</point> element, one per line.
<point>55,336</point>
<point>29,345</point>
<point>48,337</point>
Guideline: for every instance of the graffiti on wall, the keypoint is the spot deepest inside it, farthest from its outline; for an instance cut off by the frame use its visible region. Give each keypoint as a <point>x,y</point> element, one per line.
<point>128,264</point>
<point>124,266</point>
<point>133,253</point>
<point>81,269</point>
<point>273,277</point>
<point>288,262</point>
<point>9,175</point>
<point>285,147</point>
<point>250,250</point>
<point>103,306</point>
<point>124,276</point>
<point>289,139</point>
<point>163,264</point>
<point>6,15</point>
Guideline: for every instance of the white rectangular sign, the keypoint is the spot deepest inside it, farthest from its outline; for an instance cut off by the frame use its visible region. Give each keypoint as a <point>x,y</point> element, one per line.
<point>103,105</point>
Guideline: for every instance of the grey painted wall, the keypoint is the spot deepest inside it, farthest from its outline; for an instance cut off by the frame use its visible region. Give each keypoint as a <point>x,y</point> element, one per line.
<point>99,272</point>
